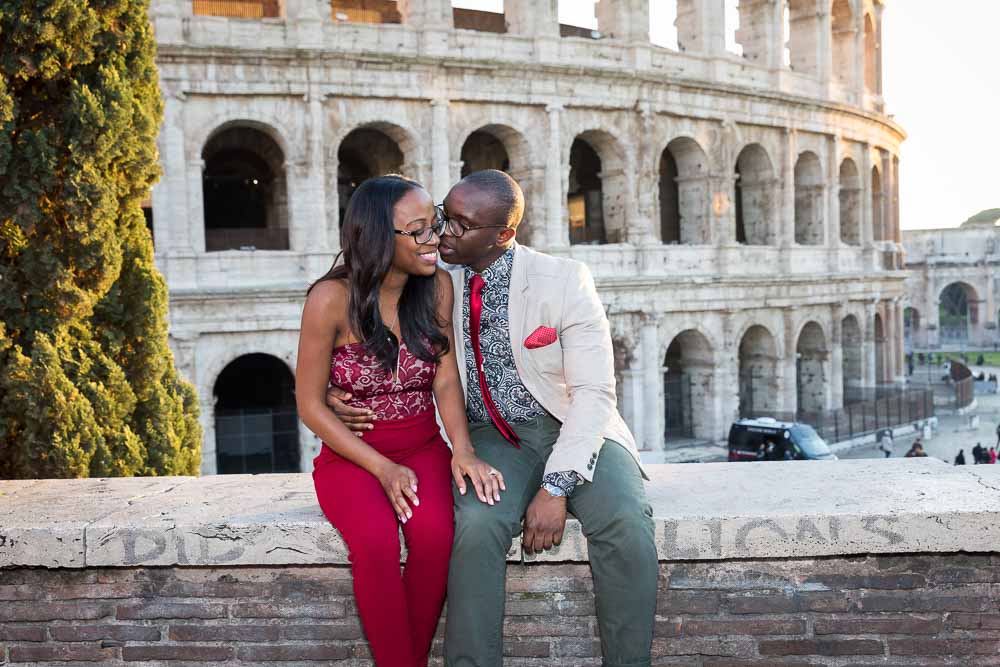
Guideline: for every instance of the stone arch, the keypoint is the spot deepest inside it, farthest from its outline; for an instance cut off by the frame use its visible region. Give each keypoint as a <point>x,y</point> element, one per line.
<point>227,118</point>
<point>393,126</point>
<point>850,203</point>
<point>483,150</point>
<point>244,189</point>
<point>809,184</point>
<point>843,29</point>
<point>758,373</point>
<point>852,359</point>
<point>956,312</point>
<point>684,193</point>
<point>803,36</point>
<point>597,190</point>
<point>878,197</point>
<point>688,369</point>
<point>811,357</point>
<point>256,424</point>
<point>754,196</point>
<point>499,146</point>
<point>369,150</point>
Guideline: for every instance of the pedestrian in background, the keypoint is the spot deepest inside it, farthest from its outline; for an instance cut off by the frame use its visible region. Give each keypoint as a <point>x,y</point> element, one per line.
<point>960,459</point>
<point>885,442</point>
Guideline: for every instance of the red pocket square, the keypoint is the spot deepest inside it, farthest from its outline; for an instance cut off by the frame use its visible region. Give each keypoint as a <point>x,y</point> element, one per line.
<point>540,337</point>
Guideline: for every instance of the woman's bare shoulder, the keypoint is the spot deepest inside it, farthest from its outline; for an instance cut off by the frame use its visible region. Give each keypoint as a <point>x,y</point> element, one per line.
<point>329,299</point>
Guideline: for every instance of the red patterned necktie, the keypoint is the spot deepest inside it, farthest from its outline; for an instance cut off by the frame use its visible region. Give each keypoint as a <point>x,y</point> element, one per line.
<point>475,313</point>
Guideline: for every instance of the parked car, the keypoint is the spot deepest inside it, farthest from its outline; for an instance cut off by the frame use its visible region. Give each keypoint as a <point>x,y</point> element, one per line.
<point>767,439</point>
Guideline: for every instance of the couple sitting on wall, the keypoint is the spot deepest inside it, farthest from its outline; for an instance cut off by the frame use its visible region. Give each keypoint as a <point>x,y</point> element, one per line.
<point>514,348</point>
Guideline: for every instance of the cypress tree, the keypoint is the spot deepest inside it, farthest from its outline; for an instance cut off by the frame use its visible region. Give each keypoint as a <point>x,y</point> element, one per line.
<point>87,381</point>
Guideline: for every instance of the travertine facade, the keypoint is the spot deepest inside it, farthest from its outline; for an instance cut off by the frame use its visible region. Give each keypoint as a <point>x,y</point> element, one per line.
<point>739,213</point>
<point>951,290</point>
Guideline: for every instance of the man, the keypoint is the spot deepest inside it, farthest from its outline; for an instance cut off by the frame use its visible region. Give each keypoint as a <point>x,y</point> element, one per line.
<point>534,351</point>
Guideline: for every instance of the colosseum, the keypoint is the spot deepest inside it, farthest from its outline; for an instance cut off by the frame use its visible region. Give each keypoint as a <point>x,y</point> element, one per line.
<point>734,192</point>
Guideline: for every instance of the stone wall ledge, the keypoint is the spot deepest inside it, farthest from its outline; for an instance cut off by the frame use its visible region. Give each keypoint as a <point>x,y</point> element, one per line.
<point>708,511</point>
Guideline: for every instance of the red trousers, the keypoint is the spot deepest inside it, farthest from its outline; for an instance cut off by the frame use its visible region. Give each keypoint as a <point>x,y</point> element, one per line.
<point>399,613</point>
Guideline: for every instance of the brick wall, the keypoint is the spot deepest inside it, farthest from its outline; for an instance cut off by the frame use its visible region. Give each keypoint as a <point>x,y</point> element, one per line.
<point>941,609</point>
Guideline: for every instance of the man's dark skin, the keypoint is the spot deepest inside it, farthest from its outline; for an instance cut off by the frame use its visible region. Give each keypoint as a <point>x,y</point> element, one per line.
<point>480,245</point>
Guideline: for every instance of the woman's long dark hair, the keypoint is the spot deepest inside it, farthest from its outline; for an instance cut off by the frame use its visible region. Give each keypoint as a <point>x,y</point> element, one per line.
<point>368,243</point>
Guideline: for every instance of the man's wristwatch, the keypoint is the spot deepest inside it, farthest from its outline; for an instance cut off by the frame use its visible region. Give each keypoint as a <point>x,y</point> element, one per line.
<point>560,484</point>
<point>554,490</point>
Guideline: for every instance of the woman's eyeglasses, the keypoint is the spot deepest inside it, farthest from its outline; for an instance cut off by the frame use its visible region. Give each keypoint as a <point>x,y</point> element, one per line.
<point>427,232</point>
<point>454,227</point>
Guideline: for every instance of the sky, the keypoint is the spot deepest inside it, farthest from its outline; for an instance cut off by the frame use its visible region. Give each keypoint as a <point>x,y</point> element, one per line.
<point>940,80</point>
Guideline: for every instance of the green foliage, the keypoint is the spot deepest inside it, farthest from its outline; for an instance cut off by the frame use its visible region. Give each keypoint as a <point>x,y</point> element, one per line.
<point>87,380</point>
<point>987,217</point>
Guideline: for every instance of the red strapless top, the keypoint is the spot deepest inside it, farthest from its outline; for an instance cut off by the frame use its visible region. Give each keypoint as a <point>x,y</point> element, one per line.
<point>355,370</point>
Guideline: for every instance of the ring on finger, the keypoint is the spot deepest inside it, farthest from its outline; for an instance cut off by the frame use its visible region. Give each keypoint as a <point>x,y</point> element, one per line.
<point>493,472</point>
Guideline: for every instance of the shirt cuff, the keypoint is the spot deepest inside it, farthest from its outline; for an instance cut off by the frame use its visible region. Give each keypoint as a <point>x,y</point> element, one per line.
<point>561,483</point>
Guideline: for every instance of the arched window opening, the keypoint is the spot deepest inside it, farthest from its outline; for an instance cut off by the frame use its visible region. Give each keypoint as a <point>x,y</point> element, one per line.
<point>811,357</point>
<point>585,198</point>
<point>809,228</point>
<point>850,203</point>
<point>758,380</point>
<point>754,196</point>
<point>364,153</point>
<point>244,192</point>
<point>687,387</point>
<point>256,424</point>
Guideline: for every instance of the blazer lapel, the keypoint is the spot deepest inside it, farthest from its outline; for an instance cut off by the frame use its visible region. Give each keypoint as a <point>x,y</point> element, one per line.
<point>517,305</point>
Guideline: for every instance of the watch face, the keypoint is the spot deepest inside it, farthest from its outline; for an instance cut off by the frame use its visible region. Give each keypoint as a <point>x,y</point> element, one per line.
<point>553,489</point>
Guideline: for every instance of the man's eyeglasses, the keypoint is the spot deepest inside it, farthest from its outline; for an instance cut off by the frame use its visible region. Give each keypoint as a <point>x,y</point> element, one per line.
<point>426,233</point>
<point>457,228</point>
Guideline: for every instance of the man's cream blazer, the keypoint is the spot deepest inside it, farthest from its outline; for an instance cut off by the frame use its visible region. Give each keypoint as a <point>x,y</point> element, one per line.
<point>572,378</point>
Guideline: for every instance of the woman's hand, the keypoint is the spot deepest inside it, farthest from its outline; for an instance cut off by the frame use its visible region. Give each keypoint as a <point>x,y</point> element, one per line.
<point>487,480</point>
<point>399,484</point>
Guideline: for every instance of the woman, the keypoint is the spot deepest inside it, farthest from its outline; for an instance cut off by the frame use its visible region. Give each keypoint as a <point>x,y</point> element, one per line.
<point>379,325</point>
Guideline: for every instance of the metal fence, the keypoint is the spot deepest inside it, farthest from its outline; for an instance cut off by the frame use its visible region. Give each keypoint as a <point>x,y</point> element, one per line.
<point>888,408</point>
<point>251,238</point>
<point>677,395</point>
<point>256,441</point>
<point>965,390</point>
<point>948,376</point>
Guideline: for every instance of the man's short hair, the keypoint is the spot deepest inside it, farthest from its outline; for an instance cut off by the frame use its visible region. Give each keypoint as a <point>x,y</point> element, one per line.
<point>506,194</point>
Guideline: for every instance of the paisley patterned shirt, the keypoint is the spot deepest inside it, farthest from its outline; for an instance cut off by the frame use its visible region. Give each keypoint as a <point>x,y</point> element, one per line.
<point>512,399</point>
